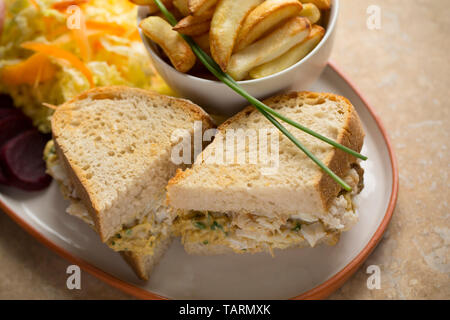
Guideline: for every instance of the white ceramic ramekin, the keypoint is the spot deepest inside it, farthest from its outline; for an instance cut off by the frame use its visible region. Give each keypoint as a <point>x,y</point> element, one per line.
<point>216,98</point>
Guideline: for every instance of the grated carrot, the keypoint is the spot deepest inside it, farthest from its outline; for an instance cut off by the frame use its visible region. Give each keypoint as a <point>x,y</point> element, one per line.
<point>108,27</point>
<point>135,36</point>
<point>35,4</point>
<point>81,39</point>
<point>52,30</point>
<point>67,38</point>
<point>34,70</point>
<point>64,4</point>
<point>114,29</point>
<point>56,52</point>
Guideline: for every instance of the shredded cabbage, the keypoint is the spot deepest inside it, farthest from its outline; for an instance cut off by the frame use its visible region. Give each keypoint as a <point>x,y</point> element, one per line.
<point>117,60</point>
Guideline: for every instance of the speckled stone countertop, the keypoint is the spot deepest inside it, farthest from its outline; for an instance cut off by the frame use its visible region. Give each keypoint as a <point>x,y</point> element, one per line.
<point>403,70</point>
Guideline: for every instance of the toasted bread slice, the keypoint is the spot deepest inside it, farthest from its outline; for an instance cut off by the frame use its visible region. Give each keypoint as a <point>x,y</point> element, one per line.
<point>112,158</point>
<point>142,264</point>
<point>236,205</point>
<point>299,183</point>
<point>115,143</point>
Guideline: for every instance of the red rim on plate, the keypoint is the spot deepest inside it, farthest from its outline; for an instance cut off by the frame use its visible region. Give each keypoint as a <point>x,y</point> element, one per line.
<point>320,292</point>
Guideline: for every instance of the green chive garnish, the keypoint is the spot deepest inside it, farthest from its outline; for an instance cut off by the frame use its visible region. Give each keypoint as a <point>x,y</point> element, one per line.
<point>199,225</point>
<point>268,112</point>
<point>216,225</point>
<point>297,227</point>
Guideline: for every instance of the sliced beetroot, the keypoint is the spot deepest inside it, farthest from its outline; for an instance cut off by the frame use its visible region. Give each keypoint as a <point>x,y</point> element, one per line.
<point>6,101</point>
<point>6,112</point>
<point>3,179</point>
<point>11,126</point>
<point>21,158</point>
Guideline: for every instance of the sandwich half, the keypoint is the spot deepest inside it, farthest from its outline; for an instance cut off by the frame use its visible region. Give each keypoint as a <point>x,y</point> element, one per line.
<point>230,206</point>
<point>111,154</point>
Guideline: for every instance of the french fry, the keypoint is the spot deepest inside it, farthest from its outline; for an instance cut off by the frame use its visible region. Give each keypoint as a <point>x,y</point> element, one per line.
<point>173,45</point>
<point>152,5</point>
<point>321,4</point>
<point>225,25</point>
<point>291,33</point>
<point>203,42</point>
<point>200,7</point>
<point>193,25</point>
<point>264,18</point>
<point>291,57</point>
<point>182,6</point>
<point>311,12</point>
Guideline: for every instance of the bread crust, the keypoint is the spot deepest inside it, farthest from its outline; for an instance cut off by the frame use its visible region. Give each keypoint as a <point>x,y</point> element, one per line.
<point>144,264</point>
<point>340,162</point>
<point>117,91</point>
<point>80,182</point>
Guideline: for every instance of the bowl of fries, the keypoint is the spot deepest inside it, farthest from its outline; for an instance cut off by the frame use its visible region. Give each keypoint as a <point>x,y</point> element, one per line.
<point>268,46</point>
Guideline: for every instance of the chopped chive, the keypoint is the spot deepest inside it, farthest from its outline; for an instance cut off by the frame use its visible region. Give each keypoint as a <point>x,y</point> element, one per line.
<point>209,218</point>
<point>199,225</point>
<point>128,232</point>
<point>216,225</point>
<point>297,227</point>
<point>205,242</point>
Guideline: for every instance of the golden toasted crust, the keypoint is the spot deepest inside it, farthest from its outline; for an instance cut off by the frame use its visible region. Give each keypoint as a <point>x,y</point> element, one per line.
<point>352,136</point>
<point>80,182</point>
<point>117,91</point>
<point>144,264</point>
<point>136,263</point>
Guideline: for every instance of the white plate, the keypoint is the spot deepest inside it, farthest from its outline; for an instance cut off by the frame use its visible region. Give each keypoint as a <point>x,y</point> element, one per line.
<point>301,273</point>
